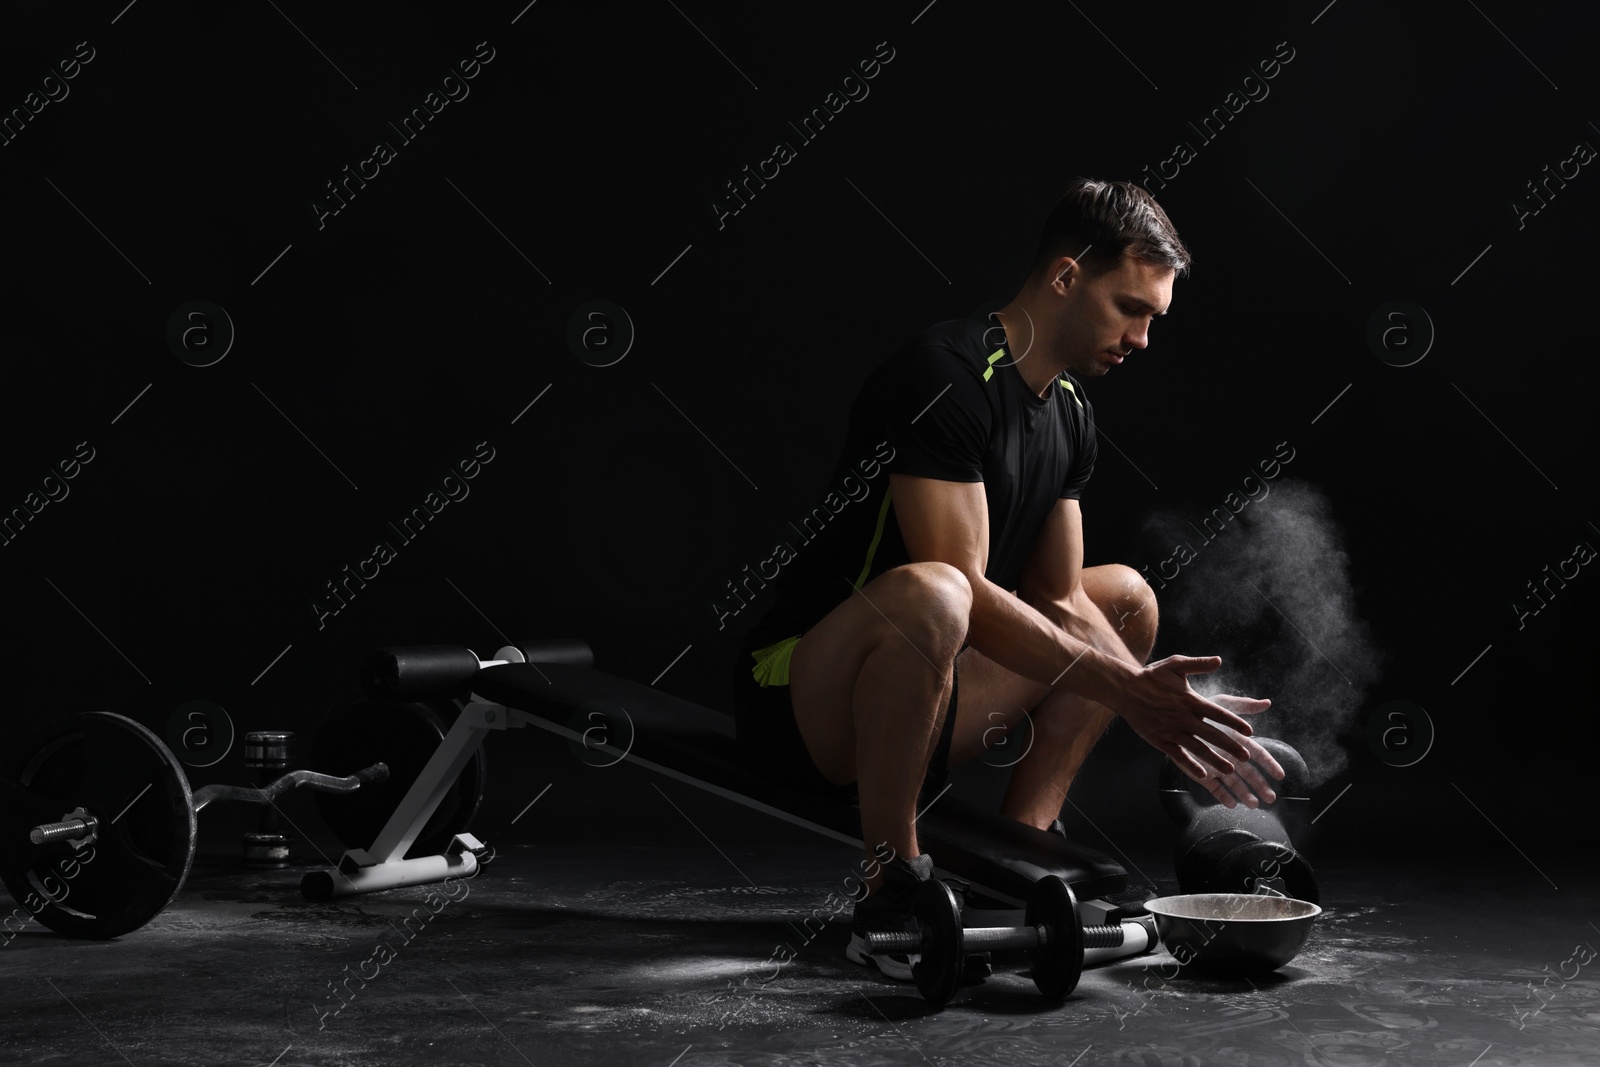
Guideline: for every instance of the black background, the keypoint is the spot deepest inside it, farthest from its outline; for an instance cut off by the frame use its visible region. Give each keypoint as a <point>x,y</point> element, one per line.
<point>381,347</point>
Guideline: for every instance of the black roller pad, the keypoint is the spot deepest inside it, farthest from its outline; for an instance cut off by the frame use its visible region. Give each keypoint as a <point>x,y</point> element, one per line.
<point>416,671</point>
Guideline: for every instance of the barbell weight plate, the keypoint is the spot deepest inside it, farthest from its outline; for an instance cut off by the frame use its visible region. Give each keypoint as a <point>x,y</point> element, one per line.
<point>122,774</point>
<point>938,916</point>
<point>1058,964</point>
<point>360,732</point>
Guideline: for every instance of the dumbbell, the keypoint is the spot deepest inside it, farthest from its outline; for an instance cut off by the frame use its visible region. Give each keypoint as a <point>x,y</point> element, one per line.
<point>1240,849</point>
<point>98,823</point>
<point>267,753</point>
<point>1052,935</point>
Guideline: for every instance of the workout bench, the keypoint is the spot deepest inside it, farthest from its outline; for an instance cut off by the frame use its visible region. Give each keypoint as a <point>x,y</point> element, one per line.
<point>547,683</point>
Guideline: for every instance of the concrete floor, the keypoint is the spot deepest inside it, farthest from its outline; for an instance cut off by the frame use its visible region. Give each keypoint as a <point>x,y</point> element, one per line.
<point>586,951</point>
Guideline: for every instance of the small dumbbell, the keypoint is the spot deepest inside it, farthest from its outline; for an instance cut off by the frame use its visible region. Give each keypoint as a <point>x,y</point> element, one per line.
<point>267,753</point>
<point>1052,935</point>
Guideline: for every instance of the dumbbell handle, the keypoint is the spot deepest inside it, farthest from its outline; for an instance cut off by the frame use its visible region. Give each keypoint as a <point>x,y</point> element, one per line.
<point>996,939</point>
<point>978,938</point>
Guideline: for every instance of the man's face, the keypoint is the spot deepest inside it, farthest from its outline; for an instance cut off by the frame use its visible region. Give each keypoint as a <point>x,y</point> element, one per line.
<point>1103,318</point>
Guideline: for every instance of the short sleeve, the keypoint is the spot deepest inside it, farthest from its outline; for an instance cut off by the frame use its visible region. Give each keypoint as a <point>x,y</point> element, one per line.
<point>942,418</point>
<point>1085,450</point>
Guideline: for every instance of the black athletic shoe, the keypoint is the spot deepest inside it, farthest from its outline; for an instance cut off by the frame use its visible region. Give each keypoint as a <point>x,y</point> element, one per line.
<point>889,909</point>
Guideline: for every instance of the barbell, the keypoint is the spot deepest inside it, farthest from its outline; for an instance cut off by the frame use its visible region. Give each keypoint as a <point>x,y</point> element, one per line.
<point>95,807</point>
<point>97,811</point>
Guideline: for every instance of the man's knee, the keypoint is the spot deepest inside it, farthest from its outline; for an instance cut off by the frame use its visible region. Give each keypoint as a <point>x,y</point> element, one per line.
<point>1129,604</point>
<point>1127,584</point>
<point>928,596</point>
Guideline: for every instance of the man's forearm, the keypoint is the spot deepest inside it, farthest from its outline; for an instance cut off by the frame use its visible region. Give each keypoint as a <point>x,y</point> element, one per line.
<point>1073,648</point>
<point>1082,618</point>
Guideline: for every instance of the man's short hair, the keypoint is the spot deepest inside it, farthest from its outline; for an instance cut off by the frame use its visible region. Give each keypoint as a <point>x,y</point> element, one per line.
<point>1095,222</point>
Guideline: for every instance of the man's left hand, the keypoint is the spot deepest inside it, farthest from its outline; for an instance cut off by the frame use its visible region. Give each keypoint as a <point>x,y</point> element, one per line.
<point>1246,784</point>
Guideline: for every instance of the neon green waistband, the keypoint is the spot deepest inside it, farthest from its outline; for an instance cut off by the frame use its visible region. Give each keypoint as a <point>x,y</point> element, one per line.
<point>772,662</point>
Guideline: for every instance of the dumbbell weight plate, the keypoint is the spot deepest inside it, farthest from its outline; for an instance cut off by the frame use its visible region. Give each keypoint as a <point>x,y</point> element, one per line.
<point>123,775</point>
<point>1232,860</point>
<point>1058,963</point>
<point>358,733</point>
<point>938,914</point>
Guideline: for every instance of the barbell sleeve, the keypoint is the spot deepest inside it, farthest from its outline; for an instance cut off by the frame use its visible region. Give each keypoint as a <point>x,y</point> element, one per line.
<point>64,830</point>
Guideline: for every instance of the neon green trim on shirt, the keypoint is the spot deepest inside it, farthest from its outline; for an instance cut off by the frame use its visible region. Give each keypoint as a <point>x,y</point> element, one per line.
<point>877,535</point>
<point>1068,387</point>
<point>988,371</point>
<point>772,661</point>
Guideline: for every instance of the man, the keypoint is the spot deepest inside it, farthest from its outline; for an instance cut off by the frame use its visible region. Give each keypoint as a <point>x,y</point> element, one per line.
<point>965,564</point>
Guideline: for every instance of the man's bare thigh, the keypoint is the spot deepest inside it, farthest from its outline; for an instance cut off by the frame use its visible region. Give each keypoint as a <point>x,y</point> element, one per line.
<point>825,664</point>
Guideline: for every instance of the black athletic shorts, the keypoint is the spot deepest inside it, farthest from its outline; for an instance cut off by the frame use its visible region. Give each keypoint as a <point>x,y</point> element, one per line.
<point>770,738</point>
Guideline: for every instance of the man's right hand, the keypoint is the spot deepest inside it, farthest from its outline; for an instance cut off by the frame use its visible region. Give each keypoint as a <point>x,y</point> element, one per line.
<point>1158,703</point>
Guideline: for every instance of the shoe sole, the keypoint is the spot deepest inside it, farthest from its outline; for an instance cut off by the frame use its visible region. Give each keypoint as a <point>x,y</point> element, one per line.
<point>978,966</point>
<point>895,967</point>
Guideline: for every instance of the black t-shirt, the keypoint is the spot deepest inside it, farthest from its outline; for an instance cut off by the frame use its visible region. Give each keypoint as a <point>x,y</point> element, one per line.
<point>951,405</point>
